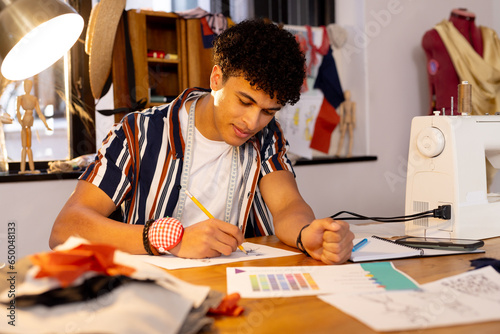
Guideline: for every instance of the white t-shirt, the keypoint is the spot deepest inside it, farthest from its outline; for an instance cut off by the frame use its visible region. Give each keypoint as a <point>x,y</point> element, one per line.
<point>209,177</point>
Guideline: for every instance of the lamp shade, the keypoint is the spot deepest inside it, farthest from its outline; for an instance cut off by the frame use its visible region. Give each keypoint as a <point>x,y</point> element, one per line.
<point>35,34</point>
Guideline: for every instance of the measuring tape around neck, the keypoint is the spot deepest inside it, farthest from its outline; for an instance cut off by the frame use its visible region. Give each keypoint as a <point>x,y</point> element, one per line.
<point>188,155</point>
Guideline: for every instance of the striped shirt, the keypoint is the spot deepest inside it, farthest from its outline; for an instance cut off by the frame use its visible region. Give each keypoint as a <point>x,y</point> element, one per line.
<point>140,163</point>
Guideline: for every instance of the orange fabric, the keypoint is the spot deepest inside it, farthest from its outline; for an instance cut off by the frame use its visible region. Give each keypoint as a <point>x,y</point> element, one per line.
<point>66,266</point>
<point>228,306</point>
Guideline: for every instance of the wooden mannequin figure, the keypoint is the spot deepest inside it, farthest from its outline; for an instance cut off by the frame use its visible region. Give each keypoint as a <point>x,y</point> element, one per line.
<point>347,113</point>
<point>28,102</point>
<point>442,76</point>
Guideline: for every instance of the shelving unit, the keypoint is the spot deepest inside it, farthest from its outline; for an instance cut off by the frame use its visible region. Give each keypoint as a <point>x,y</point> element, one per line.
<point>163,32</point>
<point>189,64</point>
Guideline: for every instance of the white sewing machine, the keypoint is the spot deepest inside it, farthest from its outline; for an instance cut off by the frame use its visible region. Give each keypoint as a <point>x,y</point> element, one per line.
<point>447,165</point>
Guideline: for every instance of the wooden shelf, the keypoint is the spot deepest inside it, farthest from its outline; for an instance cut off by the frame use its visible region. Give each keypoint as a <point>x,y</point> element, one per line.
<point>42,166</point>
<point>162,60</point>
<point>156,14</point>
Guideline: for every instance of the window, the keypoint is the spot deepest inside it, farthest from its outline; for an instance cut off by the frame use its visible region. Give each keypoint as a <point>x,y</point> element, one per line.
<point>64,97</point>
<point>296,12</point>
<point>49,88</point>
<point>293,12</point>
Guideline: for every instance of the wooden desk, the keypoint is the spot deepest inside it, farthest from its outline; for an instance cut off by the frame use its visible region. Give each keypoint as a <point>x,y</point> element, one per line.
<point>310,314</point>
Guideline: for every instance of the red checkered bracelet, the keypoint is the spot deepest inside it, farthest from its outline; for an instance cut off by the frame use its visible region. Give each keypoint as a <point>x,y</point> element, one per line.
<point>165,233</point>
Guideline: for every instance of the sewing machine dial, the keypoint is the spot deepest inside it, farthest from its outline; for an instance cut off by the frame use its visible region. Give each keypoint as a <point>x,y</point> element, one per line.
<point>430,142</point>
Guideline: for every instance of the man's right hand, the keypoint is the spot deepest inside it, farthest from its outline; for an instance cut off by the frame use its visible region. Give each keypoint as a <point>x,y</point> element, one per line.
<point>209,238</point>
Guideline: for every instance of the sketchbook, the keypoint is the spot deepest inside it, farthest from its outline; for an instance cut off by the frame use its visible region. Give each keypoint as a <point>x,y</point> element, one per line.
<point>378,248</point>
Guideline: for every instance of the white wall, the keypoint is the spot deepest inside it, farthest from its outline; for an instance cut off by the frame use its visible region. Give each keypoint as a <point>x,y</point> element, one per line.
<point>388,76</point>
<point>33,207</point>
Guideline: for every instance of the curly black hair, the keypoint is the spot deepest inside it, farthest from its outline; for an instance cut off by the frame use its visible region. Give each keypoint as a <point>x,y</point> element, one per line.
<point>266,55</point>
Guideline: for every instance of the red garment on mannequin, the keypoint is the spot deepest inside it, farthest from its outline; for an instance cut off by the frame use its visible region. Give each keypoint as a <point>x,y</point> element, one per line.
<point>443,79</point>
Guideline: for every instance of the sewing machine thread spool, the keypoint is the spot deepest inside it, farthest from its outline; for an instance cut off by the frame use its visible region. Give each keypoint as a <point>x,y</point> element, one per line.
<point>464,98</point>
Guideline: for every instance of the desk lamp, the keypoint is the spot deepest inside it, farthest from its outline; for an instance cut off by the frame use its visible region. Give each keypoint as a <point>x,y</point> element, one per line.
<point>35,34</point>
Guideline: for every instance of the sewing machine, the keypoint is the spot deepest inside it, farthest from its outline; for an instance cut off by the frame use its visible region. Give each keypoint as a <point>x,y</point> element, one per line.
<point>447,165</point>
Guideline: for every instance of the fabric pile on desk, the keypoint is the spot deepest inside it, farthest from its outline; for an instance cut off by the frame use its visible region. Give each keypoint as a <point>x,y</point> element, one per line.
<point>88,288</point>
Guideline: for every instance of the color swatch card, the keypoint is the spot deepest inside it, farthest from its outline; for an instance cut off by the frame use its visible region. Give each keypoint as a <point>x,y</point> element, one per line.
<point>266,282</point>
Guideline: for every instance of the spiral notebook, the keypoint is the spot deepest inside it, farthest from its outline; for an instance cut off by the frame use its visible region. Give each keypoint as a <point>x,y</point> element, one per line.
<point>378,248</point>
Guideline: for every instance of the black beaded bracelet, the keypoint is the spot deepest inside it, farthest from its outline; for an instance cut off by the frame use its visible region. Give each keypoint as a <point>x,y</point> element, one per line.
<point>145,239</point>
<point>299,244</point>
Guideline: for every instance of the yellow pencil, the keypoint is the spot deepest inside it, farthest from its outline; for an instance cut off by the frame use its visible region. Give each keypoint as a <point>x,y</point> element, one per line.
<point>207,213</point>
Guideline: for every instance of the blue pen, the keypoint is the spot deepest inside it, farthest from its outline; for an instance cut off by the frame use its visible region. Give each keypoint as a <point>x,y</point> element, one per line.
<point>360,244</point>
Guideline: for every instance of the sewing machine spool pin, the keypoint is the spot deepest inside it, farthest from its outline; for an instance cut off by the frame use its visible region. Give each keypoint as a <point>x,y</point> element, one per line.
<point>464,98</point>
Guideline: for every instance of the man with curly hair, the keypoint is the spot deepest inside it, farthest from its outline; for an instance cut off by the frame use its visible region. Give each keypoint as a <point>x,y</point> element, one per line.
<point>224,147</point>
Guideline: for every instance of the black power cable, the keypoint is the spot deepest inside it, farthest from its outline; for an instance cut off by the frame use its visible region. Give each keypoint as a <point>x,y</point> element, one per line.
<point>442,212</point>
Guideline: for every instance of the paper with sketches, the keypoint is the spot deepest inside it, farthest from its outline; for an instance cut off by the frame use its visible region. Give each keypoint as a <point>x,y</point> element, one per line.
<point>255,252</point>
<point>267,282</point>
<point>298,122</point>
<point>467,298</point>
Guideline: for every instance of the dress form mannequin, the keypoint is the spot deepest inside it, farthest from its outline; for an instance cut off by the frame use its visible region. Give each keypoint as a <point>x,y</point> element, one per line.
<point>28,103</point>
<point>443,79</point>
